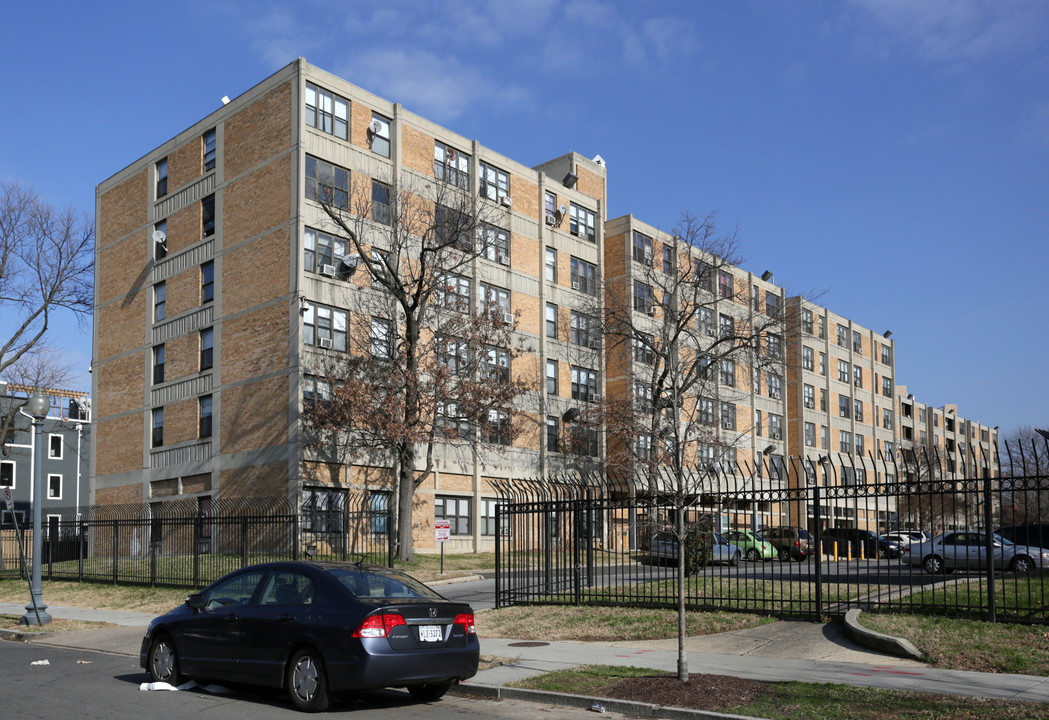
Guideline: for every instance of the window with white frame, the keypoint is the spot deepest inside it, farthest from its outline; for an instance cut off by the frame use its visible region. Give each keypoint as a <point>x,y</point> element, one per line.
<point>453,292</point>
<point>495,183</point>
<point>775,426</point>
<point>810,397</point>
<point>642,250</point>
<point>857,408</point>
<point>496,244</point>
<point>775,386</point>
<point>324,327</point>
<point>584,384</point>
<point>381,338</point>
<point>7,473</point>
<point>706,413</point>
<point>55,444</point>
<point>54,486</point>
<point>887,420</point>
<point>725,285</point>
<point>705,321</point>
<point>775,345</point>
<point>582,222</point>
<point>379,135</point>
<point>551,377</point>
<point>843,336</point>
<point>643,446</point>
<point>454,354</point>
<point>327,112</point>
<point>551,320</point>
<point>843,371</point>
<point>451,165</point>
<point>488,509</point>
<point>807,359</point>
<point>550,208</point>
<point>327,183</point>
<point>644,298</point>
<point>456,511</point>
<point>321,252</point>
<point>728,416</point>
<point>857,342</point>
<point>551,264</point>
<point>857,376</point>
<point>844,441</point>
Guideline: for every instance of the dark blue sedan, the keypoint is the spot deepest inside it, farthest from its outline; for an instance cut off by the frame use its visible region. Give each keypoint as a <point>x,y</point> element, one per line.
<point>316,629</point>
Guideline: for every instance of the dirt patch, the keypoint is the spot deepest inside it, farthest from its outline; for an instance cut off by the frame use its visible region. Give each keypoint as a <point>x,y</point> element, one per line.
<point>701,692</point>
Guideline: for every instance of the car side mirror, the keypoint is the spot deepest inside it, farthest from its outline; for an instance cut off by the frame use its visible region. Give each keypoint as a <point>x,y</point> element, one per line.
<point>195,601</point>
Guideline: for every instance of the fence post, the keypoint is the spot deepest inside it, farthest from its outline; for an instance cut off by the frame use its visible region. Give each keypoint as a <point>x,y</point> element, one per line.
<point>116,556</point>
<point>198,534</point>
<point>992,610</point>
<point>577,560</point>
<point>153,545</point>
<point>244,542</point>
<point>499,519</point>
<point>81,550</point>
<point>819,553</point>
<point>548,550</point>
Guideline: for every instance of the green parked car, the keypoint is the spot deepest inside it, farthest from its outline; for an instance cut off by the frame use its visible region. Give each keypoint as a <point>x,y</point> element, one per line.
<point>754,546</point>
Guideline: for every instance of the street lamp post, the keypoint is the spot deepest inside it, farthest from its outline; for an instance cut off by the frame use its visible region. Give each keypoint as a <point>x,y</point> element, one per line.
<point>37,406</point>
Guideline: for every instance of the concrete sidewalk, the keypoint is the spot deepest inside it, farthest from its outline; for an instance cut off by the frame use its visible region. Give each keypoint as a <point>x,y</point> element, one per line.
<point>779,651</point>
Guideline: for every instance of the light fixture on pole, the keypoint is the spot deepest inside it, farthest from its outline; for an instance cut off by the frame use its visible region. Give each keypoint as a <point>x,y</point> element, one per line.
<point>36,614</point>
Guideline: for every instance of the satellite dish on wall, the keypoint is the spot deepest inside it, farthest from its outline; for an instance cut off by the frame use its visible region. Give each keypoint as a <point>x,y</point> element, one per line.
<point>159,237</point>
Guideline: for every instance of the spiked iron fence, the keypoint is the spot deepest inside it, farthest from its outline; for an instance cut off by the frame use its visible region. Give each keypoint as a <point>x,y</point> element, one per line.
<point>179,543</point>
<point>591,539</point>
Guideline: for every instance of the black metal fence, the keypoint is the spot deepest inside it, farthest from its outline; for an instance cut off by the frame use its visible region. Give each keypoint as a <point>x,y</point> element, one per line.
<point>611,540</point>
<point>184,544</point>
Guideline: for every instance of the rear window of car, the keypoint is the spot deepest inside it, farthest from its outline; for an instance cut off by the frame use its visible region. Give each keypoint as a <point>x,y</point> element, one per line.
<point>803,533</point>
<point>372,585</point>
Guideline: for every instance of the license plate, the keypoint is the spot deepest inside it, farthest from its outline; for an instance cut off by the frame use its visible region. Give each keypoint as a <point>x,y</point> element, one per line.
<point>430,633</point>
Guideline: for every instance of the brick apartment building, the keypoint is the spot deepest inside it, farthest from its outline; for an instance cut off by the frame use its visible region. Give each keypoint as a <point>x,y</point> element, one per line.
<point>219,291</point>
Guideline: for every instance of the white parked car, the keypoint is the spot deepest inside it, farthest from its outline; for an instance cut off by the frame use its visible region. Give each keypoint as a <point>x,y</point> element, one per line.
<point>903,538</point>
<point>967,550</point>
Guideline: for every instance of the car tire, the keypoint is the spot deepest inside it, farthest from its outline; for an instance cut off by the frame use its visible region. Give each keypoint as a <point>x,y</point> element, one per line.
<point>735,559</point>
<point>1021,565</point>
<point>163,661</point>
<point>883,554</point>
<point>306,682</point>
<point>429,692</point>
<point>933,564</point>
<point>753,555</point>
<point>784,556</point>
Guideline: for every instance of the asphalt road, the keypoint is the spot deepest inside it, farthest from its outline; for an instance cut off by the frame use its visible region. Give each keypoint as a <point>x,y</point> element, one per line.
<point>90,685</point>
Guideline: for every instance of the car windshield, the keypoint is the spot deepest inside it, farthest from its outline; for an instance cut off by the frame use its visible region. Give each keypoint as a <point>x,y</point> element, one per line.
<point>1003,541</point>
<point>803,533</point>
<point>374,584</point>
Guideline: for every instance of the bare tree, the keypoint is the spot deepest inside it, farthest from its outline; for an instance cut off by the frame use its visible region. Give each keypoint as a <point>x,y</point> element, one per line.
<point>424,366</point>
<point>693,338</point>
<point>1024,460</point>
<point>46,264</point>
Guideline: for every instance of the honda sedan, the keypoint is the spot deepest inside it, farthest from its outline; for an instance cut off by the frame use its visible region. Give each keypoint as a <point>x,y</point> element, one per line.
<point>316,629</point>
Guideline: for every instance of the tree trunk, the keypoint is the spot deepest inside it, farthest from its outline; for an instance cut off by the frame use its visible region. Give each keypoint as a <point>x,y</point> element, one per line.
<point>405,499</point>
<point>682,654</point>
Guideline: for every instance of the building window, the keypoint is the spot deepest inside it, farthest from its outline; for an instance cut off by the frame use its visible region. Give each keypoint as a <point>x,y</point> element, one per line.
<point>159,301</point>
<point>160,240</point>
<point>581,223</point>
<point>644,351</point>
<point>456,511</point>
<point>496,430</point>
<point>728,373</point>
<point>326,112</point>
<point>162,178</point>
<point>497,364</point>
<point>495,184</point>
<point>704,276</point>
<point>322,252</point>
<point>204,414</point>
<point>823,364</point>
<point>379,133</point>
<point>451,229</point>
<point>451,165</point>
<point>454,355</point>
<point>810,434</point>
<point>824,437</point>
<point>757,423</point>
<point>857,376</point>
<point>584,440</point>
<point>773,305</point>
<point>726,326</point>
<point>552,435</point>
<point>806,321</point>
<point>381,338</point>
<point>843,371</point>
<point>207,349</point>
<point>378,510</point>
<point>584,276</point>
<point>755,304</point>
<point>775,426</point>
<point>158,364</point>
<point>642,396</point>
<point>886,386</point>
<point>775,345</point>
<point>488,509</point>
<point>886,418</point>
<point>857,407</point>
<point>857,342</point>
<point>584,330</point>
<point>324,327</point>
<point>496,244</point>
<point>886,355</point>
<point>381,203</point>
<point>550,208</point>
<point>843,336</point>
<point>327,183</point>
<point>551,377</point>
<point>54,487</point>
<point>584,384</point>
<point>775,386</point>
<point>54,447</point>
<point>810,397</point>
<point>728,416</point>
<point>642,249</point>
<point>495,299</point>
<point>207,216</point>
<point>668,259</point>
<point>453,292</point>
<point>551,320</point>
<point>551,265</point>
<point>209,150</point>
<point>725,285</point>
<point>644,298</point>
<point>823,399</point>
<point>705,413</point>
<point>7,474</point>
<point>643,446</point>
<point>158,427</point>
<point>705,321</point>
<point>859,444</point>
<point>315,390</point>
<point>807,360</point>
<point>207,282</point>
<point>844,406</point>
<point>324,510</point>
<point>845,441</point>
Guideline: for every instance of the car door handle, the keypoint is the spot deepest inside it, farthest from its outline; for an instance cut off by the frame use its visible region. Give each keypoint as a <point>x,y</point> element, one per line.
<point>232,618</point>
<point>286,617</point>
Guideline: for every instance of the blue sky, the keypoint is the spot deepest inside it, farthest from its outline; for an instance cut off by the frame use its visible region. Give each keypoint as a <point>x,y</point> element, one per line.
<point>890,156</point>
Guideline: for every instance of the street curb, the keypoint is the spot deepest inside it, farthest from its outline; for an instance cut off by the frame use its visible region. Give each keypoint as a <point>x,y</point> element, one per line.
<point>878,641</point>
<point>627,707</point>
<point>23,635</point>
<point>453,581</point>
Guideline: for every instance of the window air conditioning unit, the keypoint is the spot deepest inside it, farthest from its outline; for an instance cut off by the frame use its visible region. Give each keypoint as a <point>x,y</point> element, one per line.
<point>844,414</point>
<point>591,397</point>
<point>328,270</point>
<point>508,318</point>
<point>505,201</point>
<point>326,343</point>
<point>575,284</point>
<point>651,310</point>
<point>810,404</point>
<point>551,220</point>
<point>777,436</point>
<point>595,343</point>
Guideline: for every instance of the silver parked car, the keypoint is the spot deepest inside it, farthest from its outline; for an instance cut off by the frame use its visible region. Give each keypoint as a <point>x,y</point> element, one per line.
<point>664,547</point>
<point>967,550</point>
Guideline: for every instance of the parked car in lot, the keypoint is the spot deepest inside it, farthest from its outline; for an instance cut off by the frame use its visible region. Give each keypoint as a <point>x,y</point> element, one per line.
<point>664,547</point>
<point>905,538</point>
<point>859,542</point>
<point>791,543</point>
<point>966,550</point>
<point>753,545</point>
<point>316,629</point>
<point>1035,534</point>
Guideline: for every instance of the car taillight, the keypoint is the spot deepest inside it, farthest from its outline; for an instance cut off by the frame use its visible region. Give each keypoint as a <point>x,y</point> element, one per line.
<point>377,626</point>
<point>467,621</point>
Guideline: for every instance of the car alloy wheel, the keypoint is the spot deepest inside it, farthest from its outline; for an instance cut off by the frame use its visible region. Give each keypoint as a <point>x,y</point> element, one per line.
<point>784,556</point>
<point>163,661</point>
<point>307,685</point>
<point>753,555</point>
<point>1022,564</point>
<point>933,564</point>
